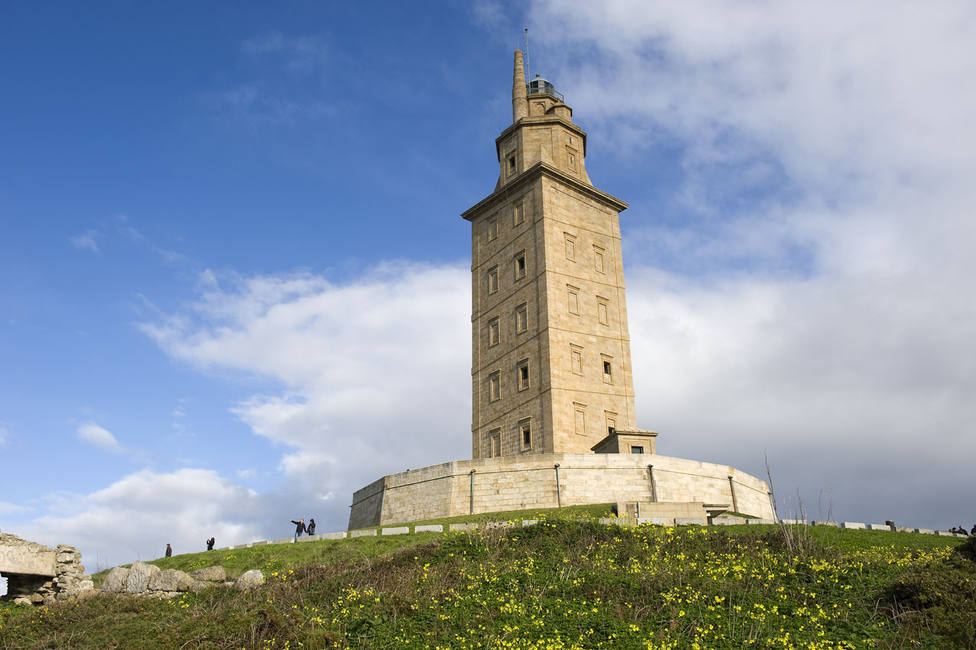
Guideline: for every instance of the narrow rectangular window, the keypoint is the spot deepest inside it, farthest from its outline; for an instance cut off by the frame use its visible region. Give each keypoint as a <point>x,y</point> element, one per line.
<point>525,433</point>
<point>570,247</point>
<point>611,422</point>
<point>492,229</point>
<point>523,374</point>
<point>521,318</point>
<point>494,386</point>
<point>598,259</point>
<point>520,265</point>
<point>576,360</point>
<point>580,418</point>
<point>602,312</point>
<point>572,161</point>
<point>494,443</point>
<point>511,165</point>
<point>493,332</point>
<point>518,213</point>
<point>573,299</point>
<point>492,280</point>
<point>636,450</point>
<point>607,372</point>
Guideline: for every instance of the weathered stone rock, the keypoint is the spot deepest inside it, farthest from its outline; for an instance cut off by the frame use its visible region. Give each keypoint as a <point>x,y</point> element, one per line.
<point>115,580</point>
<point>250,579</point>
<point>210,574</point>
<point>199,585</point>
<point>138,579</point>
<point>170,580</point>
<point>29,558</point>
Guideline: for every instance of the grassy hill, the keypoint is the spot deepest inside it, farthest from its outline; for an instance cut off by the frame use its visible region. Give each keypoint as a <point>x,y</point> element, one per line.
<point>559,584</point>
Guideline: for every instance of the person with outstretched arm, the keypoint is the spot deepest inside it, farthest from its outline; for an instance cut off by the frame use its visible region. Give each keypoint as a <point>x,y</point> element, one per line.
<point>299,528</point>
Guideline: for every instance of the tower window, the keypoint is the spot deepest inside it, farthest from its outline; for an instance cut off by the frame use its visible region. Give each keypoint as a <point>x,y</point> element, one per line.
<point>636,450</point>
<point>493,332</point>
<point>611,422</point>
<point>525,434</point>
<point>492,229</point>
<point>602,312</point>
<point>523,374</point>
<point>576,359</point>
<point>521,318</point>
<point>494,386</point>
<point>580,420</point>
<point>520,265</point>
<point>492,280</point>
<point>607,372</point>
<point>572,161</point>
<point>494,443</point>
<point>598,259</point>
<point>518,213</point>
<point>570,247</point>
<point>511,165</point>
<point>573,299</point>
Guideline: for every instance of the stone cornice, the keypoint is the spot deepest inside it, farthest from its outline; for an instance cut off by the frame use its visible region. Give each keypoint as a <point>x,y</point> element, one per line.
<point>531,174</point>
<point>536,121</point>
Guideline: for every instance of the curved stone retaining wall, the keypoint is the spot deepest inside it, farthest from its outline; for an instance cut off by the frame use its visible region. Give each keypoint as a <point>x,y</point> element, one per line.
<point>464,487</point>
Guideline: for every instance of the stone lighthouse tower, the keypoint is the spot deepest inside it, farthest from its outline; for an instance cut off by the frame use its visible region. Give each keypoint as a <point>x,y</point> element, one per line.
<point>552,388</point>
<point>551,370</point>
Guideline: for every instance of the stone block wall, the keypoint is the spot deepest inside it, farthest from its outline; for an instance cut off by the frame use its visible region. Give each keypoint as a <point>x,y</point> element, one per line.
<point>37,574</point>
<point>525,482</point>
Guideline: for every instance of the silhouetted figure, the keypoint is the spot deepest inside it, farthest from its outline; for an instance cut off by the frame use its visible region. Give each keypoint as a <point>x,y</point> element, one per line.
<point>210,543</point>
<point>169,551</point>
<point>973,531</point>
<point>311,527</point>
<point>299,528</point>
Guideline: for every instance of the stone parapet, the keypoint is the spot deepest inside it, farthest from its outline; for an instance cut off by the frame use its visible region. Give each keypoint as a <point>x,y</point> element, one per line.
<point>463,487</point>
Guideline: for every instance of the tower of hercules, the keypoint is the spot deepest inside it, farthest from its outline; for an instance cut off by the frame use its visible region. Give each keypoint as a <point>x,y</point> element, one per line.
<point>553,421</point>
<point>551,370</point>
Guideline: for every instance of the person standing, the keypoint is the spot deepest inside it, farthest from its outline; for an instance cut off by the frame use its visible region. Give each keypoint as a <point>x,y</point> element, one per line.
<point>169,551</point>
<point>311,526</point>
<point>210,543</point>
<point>299,528</point>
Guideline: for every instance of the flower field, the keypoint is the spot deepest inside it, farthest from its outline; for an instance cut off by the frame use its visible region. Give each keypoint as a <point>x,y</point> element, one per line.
<point>566,584</point>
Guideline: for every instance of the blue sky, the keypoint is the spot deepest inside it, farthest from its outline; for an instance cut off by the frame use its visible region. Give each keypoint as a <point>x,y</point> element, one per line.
<point>235,282</point>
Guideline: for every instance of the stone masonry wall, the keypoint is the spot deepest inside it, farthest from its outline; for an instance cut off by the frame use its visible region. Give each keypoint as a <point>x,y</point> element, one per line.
<point>529,481</point>
<point>38,574</point>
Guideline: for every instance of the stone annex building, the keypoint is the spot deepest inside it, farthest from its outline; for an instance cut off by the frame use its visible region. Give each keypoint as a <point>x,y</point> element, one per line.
<point>553,420</point>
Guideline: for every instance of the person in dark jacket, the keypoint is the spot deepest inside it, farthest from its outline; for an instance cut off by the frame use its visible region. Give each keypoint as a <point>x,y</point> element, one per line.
<point>299,528</point>
<point>169,551</point>
<point>311,527</point>
<point>210,543</point>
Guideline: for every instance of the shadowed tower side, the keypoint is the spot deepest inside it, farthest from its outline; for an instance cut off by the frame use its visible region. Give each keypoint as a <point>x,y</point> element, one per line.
<point>551,368</point>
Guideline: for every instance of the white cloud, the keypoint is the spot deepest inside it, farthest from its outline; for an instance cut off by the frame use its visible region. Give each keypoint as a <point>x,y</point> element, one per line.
<point>245,474</point>
<point>366,368</point>
<point>135,517</point>
<point>86,241</point>
<point>100,437</point>
<point>11,508</point>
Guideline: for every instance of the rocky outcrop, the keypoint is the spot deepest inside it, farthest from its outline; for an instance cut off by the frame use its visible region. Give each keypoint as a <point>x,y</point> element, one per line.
<point>137,581</point>
<point>210,574</point>
<point>250,579</point>
<point>143,579</point>
<point>115,580</point>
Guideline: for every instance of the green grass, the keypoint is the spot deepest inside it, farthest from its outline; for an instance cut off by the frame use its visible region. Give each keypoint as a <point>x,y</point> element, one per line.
<point>590,512</point>
<point>560,584</point>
